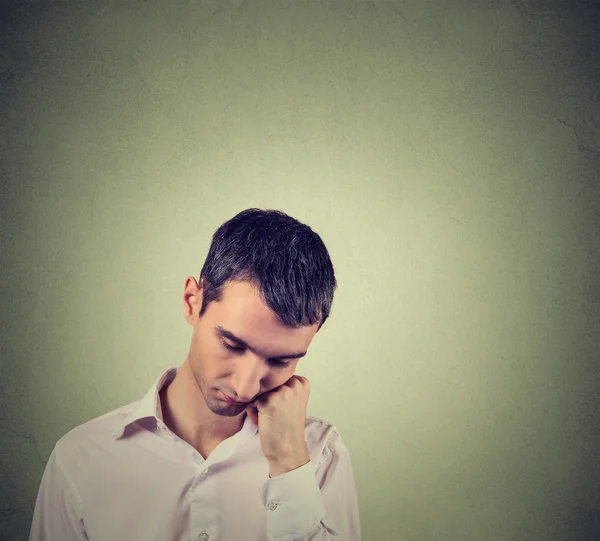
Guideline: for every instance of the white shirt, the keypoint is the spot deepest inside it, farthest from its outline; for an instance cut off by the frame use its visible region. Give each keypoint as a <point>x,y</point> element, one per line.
<point>125,476</point>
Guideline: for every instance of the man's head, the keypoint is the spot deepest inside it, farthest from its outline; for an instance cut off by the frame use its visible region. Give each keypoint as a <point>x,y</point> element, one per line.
<point>266,288</point>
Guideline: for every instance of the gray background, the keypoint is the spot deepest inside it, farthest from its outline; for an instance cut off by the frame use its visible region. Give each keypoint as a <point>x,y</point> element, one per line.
<point>448,154</point>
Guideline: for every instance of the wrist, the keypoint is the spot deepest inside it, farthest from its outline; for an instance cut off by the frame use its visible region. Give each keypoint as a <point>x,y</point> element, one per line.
<point>285,464</point>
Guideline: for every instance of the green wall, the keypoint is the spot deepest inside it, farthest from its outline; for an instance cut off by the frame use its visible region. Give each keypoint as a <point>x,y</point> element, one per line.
<point>447,152</point>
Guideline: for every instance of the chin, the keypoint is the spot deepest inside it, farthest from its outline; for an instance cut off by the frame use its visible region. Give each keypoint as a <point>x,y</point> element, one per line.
<point>225,411</point>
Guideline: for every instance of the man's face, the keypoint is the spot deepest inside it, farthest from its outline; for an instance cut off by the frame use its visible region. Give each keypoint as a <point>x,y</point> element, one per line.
<point>252,369</point>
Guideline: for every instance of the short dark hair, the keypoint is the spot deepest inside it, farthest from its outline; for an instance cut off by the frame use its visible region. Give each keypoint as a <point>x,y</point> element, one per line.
<point>283,258</point>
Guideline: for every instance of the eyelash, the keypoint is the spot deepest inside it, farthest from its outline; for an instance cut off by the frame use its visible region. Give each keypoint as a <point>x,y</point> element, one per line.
<point>278,364</point>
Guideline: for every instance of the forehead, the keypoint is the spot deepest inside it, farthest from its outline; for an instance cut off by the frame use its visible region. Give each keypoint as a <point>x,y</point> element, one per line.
<point>243,312</point>
<point>242,299</point>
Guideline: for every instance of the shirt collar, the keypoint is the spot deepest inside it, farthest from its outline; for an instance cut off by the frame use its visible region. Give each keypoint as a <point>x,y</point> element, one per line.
<point>149,405</point>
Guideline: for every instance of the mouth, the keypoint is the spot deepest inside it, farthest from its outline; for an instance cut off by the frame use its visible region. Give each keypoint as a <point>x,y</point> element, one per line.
<point>231,401</point>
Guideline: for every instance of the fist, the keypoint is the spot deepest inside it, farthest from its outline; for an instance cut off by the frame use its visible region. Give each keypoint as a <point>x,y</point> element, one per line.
<point>280,415</point>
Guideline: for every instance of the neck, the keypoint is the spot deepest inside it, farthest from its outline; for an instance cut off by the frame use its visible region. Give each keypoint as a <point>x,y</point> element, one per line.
<point>187,415</point>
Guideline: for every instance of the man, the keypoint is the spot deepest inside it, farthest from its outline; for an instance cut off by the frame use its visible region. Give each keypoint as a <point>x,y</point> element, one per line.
<point>220,448</point>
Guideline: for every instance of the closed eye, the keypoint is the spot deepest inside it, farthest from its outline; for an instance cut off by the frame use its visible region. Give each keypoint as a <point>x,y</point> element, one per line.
<point>278,364</point>
<point>231,347</point>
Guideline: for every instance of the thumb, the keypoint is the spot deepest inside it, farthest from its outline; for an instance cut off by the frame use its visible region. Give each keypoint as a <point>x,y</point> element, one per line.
<point>253,413</point>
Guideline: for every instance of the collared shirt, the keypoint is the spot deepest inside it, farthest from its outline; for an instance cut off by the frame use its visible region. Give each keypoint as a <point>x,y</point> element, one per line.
<point>125,476</point>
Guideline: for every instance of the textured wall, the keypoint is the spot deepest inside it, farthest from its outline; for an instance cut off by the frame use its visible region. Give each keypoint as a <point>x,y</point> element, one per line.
<point>448,153</point>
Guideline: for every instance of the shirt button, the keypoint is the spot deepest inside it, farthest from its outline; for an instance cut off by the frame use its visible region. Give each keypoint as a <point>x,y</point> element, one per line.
<point>203,536</point>
<point>272,506</point>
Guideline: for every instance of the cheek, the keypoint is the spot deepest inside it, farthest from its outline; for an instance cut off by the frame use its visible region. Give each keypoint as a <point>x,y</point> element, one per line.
<point>279,379</point>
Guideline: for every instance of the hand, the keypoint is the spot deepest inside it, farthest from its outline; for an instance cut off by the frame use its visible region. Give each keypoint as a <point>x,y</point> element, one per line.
<point>280,415</point>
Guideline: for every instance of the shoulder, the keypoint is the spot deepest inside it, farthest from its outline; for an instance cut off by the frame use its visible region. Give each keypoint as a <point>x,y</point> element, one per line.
<point>83,443</point>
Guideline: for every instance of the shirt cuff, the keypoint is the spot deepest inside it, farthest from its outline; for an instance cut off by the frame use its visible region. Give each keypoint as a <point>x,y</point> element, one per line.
<point>293,502</point>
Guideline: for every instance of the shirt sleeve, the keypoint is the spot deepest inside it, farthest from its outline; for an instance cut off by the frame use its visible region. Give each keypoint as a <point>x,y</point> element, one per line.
<point>308,505</point>
<point>57,514</point>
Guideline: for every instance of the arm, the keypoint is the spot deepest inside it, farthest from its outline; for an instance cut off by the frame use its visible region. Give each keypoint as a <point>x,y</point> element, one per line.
<point>57,514</point>
<point>308,505</point>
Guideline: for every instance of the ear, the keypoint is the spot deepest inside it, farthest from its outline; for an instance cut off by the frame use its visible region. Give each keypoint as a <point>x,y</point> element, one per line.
<point>192,300</point>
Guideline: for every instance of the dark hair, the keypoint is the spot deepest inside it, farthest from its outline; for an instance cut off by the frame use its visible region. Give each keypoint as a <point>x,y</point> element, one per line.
<point>283,258</point>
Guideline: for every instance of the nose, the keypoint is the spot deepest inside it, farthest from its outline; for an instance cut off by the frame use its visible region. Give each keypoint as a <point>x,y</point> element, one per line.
<point>249,373</point>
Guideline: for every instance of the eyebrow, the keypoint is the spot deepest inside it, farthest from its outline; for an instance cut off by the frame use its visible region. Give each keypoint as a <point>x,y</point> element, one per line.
<point>228,334</point>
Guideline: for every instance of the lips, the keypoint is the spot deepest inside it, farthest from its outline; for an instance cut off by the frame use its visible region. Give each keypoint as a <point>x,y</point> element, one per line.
<point>231,401</point>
